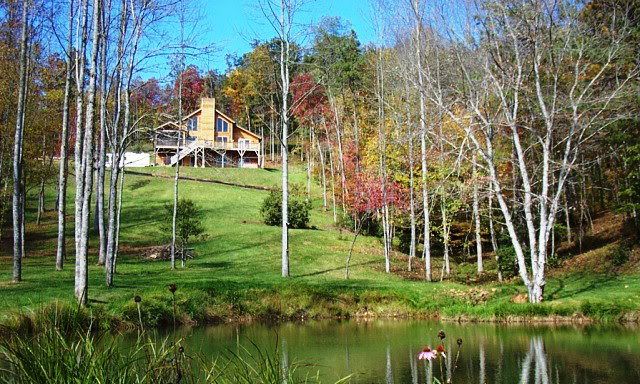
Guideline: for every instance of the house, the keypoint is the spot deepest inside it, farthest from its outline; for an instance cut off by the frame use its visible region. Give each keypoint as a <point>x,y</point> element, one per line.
<point>207,138</point>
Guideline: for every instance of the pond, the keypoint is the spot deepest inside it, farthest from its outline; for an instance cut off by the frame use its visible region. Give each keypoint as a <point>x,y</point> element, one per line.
<point>386,351</point>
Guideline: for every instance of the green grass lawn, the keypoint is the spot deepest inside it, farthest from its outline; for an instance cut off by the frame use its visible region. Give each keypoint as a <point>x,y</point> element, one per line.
<point>236,271</point>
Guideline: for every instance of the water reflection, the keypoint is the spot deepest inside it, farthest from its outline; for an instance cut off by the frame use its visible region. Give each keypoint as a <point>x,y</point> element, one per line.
<point>386,352</point>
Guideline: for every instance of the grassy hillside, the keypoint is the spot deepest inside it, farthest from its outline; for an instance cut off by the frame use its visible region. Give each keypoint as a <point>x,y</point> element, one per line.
<point>236,271</point>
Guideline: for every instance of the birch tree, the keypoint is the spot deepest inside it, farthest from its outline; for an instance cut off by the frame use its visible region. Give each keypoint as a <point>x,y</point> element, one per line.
<point>18,175</point>
<point>476,212</point>
<point>87,164</point>
<point>423,141</point>
<point>102,140</point>
<point>281,16</point>
<point>64,135</point>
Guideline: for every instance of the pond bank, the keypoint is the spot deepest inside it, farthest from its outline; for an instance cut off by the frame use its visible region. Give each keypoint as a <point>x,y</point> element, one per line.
<point>159,311</point>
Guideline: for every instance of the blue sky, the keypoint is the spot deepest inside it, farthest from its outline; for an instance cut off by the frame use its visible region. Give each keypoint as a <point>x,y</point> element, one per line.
<point>232,25</point>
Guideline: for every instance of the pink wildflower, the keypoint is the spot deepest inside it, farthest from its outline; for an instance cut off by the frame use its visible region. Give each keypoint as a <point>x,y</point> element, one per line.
<point>426,354</point>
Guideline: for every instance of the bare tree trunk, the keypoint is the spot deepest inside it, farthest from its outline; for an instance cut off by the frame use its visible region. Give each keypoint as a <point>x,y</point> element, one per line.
<point>309,163</point>
<point>82,272</point>
<point>423,148</point>
<point>284,77</point>
<point>476,213</point>
<point>18,192</point>
<point>445,238</point>
<point>382,162</point>
<point>343,178</point>
<point>567,217</point>
<point>61,249</point>
<point>79,139</point>
<point>324,175</point>
<point>272,141</point>
<point>118,221</point>
<point>353,243</point>
<point>412,204</point>
<point>262,147</point>
<point>102,152</point>
<point>333,178</point>
<point>42,181</point>
<point>174,217</point>
<point>494,241</point>
<point>114,143</point>
<point>23,204</point>
<point>333,187</point>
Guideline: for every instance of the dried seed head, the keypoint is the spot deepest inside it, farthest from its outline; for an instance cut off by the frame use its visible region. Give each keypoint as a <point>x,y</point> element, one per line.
<point>459,342</point>
<point>441,335</point>
<point>173,288</point>
<point>137,298</point>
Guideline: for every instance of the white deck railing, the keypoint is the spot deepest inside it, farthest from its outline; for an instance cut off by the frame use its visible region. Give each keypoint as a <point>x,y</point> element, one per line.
<point>209,144</point>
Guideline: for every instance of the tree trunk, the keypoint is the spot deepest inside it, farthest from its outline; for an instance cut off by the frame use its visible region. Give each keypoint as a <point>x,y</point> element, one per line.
<point>118,221</point>
<point>412,206</point>
<point>353,243</point>
<point>423,153</point>
<point>324,175</point>
<point>174,216</point>
<point>343,178</point>
<point>476,213</point>
<point>445,237</point>
<point>284,77</point>
<point>82,271</point>
<point>18,192</point>
<point>61,249</point>
<point>114,143</point>
<point>567,217</point>
<point>42,181</point>
<point>333,188</point>
<point>262,147</point>
<point>382,148</point>
<point>494,241</point>
<point>102,151</point>
<point>79,139</point>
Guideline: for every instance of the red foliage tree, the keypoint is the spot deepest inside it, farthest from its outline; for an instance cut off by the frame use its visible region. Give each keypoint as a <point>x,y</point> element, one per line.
<point>192,88</point>
<point>367,194</point>
<point>310,101</point>
<point>148,95</point>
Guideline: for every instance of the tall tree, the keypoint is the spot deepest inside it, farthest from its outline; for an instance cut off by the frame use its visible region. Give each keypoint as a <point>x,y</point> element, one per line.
<point>281,15</point>
<point>18,181</point>
<point>87,169</point>
<point>64,135</point>
<point>423,141</point>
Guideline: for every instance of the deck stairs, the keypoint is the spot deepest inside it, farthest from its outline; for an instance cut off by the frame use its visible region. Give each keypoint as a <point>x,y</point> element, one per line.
<point>186,151</point>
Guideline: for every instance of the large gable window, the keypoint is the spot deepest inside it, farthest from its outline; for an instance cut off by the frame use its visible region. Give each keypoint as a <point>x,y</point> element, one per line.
<point>222,125</point>
<point>192,124</point>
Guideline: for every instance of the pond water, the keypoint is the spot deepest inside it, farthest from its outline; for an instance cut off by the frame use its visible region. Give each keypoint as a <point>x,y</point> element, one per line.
<point>386,351</point>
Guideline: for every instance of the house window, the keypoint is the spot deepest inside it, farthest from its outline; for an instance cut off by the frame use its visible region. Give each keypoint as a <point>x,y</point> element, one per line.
<point>222,125</point>
<point>221,139</point>
<point>192,124</point>
<point>243,143</point>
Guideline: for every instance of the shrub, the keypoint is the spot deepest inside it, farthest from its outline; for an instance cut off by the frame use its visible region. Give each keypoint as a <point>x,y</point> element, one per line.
<point>188,221</point>
<point>507,261</point>
<point>620,255</point>
<point>602,310</point>
<point>299,209</point>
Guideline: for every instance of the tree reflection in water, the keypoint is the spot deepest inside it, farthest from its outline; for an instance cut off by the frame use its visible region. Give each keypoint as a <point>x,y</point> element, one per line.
<point>538,357</point>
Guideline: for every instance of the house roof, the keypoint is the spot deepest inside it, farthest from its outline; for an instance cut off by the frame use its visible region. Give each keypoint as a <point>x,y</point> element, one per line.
<point>168,126</point>
<point>249,132</point>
